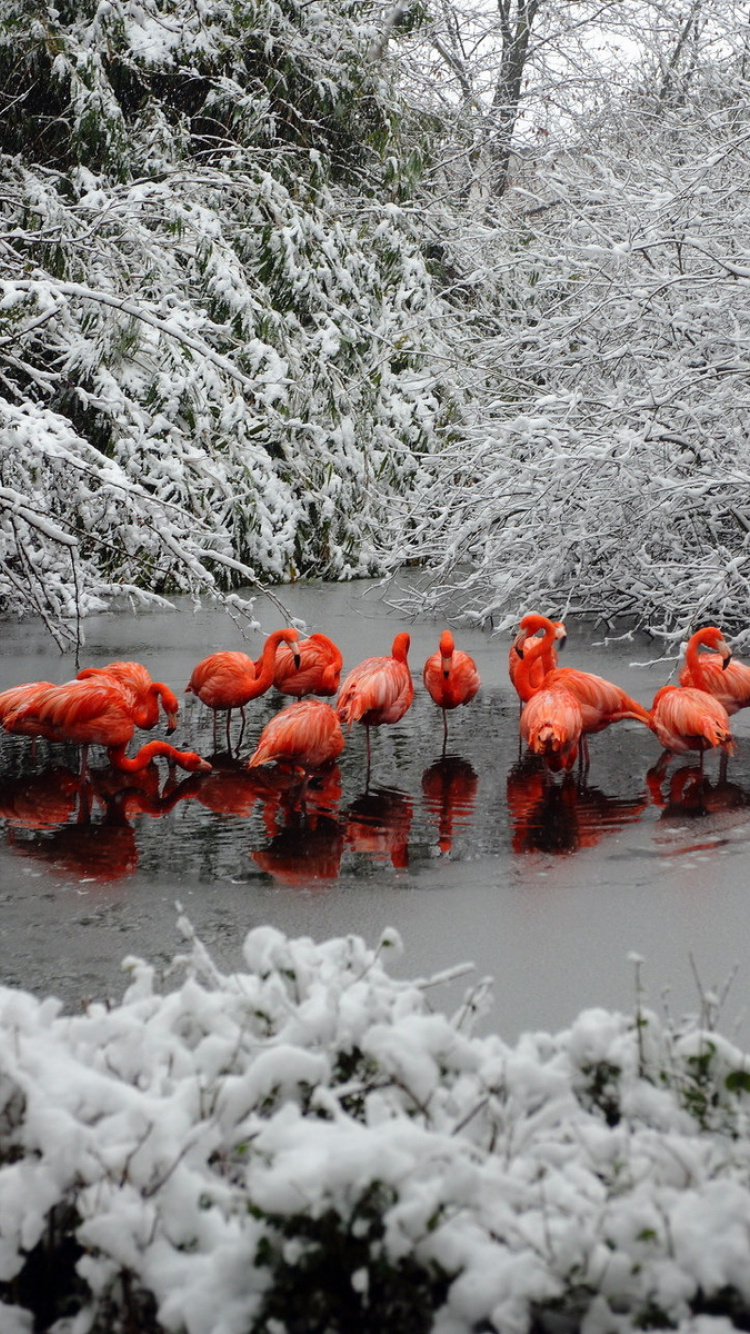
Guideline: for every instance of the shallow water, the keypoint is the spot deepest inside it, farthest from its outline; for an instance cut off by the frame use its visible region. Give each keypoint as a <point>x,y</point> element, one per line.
<point>548,888</point>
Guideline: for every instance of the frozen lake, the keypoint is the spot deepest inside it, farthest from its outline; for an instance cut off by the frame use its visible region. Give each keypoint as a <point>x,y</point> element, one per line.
<point>467,856</point>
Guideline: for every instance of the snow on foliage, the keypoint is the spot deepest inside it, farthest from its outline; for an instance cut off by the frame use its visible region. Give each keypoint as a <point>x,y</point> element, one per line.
<point>307,1145</point>
<point>605,461</point>
<point>210,357</point>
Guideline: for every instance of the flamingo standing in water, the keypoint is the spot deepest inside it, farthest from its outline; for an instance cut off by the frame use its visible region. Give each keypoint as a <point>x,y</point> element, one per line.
<point>229,679</point>
<point>687,719</point>
<point>717,673</point>
<point>99,711</point>
<point>378,690</point>
<point>451,677</point>
<point>551,718</point>
<point>601,702</point>
<point>524,642</point>
<point>306,735</point>
<point>313,667</point>
<point>148,694</point>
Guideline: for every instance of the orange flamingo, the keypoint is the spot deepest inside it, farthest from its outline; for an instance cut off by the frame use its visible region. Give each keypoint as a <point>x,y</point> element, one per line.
<point>230,679</point>
<point>717,673</point>
<point>99,711</point>
<point>524,642</point>
<point>147,693</point>
<point>601,702</point>
<point>313,668</point>
<point>451,677</point>
<point>378,690</point>
<point>551,725</point>
<point>306,735</point>
<point>687,719</point>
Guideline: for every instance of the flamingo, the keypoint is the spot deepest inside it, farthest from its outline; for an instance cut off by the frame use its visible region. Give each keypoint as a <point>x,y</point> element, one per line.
<point>229,679</point>
<point>716,673</point>
<point>687,719</point>
<point>524,642</point>
<point>451,677</point>
<point>314,668</point>
<point>147,693</point>
<point>601,702</point>
<point>306,734</point>
<point>378,690</point>
<point>551,725</point>
<point>98,710</point>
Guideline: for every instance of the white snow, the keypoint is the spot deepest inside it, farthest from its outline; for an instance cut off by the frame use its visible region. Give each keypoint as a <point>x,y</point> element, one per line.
<point>602,1170</point>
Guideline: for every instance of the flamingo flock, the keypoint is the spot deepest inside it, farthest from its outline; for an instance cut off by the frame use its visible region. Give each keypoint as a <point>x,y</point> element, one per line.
<point>561,707</point>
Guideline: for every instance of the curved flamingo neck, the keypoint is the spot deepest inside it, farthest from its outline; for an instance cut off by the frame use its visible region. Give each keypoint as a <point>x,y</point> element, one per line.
<point>541,648</point>
<point>186,759</point>
<point>266,664</point>
<point>400,647</point>
<point>708,637</point>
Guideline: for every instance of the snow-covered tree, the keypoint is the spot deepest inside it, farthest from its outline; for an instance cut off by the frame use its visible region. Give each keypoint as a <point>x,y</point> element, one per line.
<point>212,354</point>
<point>606,469</point>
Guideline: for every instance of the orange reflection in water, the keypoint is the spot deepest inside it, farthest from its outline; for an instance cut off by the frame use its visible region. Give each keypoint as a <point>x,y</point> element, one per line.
<point>450,789</point>
<point>83,827</point>
<point>563,816</point>
<point>378,824</point>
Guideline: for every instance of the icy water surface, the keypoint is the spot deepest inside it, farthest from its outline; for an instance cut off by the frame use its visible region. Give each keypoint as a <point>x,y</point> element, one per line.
<point>546,887</point>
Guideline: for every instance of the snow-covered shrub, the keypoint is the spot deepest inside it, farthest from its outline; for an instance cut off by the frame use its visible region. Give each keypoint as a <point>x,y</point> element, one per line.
<point>306,1145</point>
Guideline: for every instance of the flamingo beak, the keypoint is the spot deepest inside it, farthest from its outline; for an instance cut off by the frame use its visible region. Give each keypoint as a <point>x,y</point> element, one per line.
<point>562,641</point>
<point>297,660</point>
<point>726,657</point>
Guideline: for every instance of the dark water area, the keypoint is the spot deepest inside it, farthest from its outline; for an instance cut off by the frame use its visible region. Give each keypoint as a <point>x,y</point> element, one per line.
<point>548,887</point>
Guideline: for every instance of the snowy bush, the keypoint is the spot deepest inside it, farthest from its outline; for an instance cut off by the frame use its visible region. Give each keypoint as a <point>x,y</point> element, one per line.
<point>308,1146</point>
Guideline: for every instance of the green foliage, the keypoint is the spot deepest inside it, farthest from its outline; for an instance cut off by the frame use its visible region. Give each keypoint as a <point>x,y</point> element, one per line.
<point>332,1274</point>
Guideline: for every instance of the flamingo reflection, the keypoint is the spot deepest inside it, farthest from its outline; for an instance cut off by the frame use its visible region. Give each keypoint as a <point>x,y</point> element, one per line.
<point>692,793</point>
<point>378,825</point>
<point>50,816</point>
<point>563,817</point>
<point>450,788</point>
<point>305,852</point>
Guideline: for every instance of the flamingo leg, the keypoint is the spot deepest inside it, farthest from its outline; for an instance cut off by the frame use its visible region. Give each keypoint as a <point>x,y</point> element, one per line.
<point>242,728</point>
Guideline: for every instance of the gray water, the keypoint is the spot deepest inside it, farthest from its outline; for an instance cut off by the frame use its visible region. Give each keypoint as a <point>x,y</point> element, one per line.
<point>547,890</point>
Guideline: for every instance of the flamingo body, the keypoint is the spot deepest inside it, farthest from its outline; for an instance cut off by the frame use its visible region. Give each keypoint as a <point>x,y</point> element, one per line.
<point>306,734</point>
<point>551,725</point>
<point>147,694</point>
<point>95,710</point>
<point>378,690</point>
<point>687,719</point>
<point>601,701</point>
<point>317,671</point>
